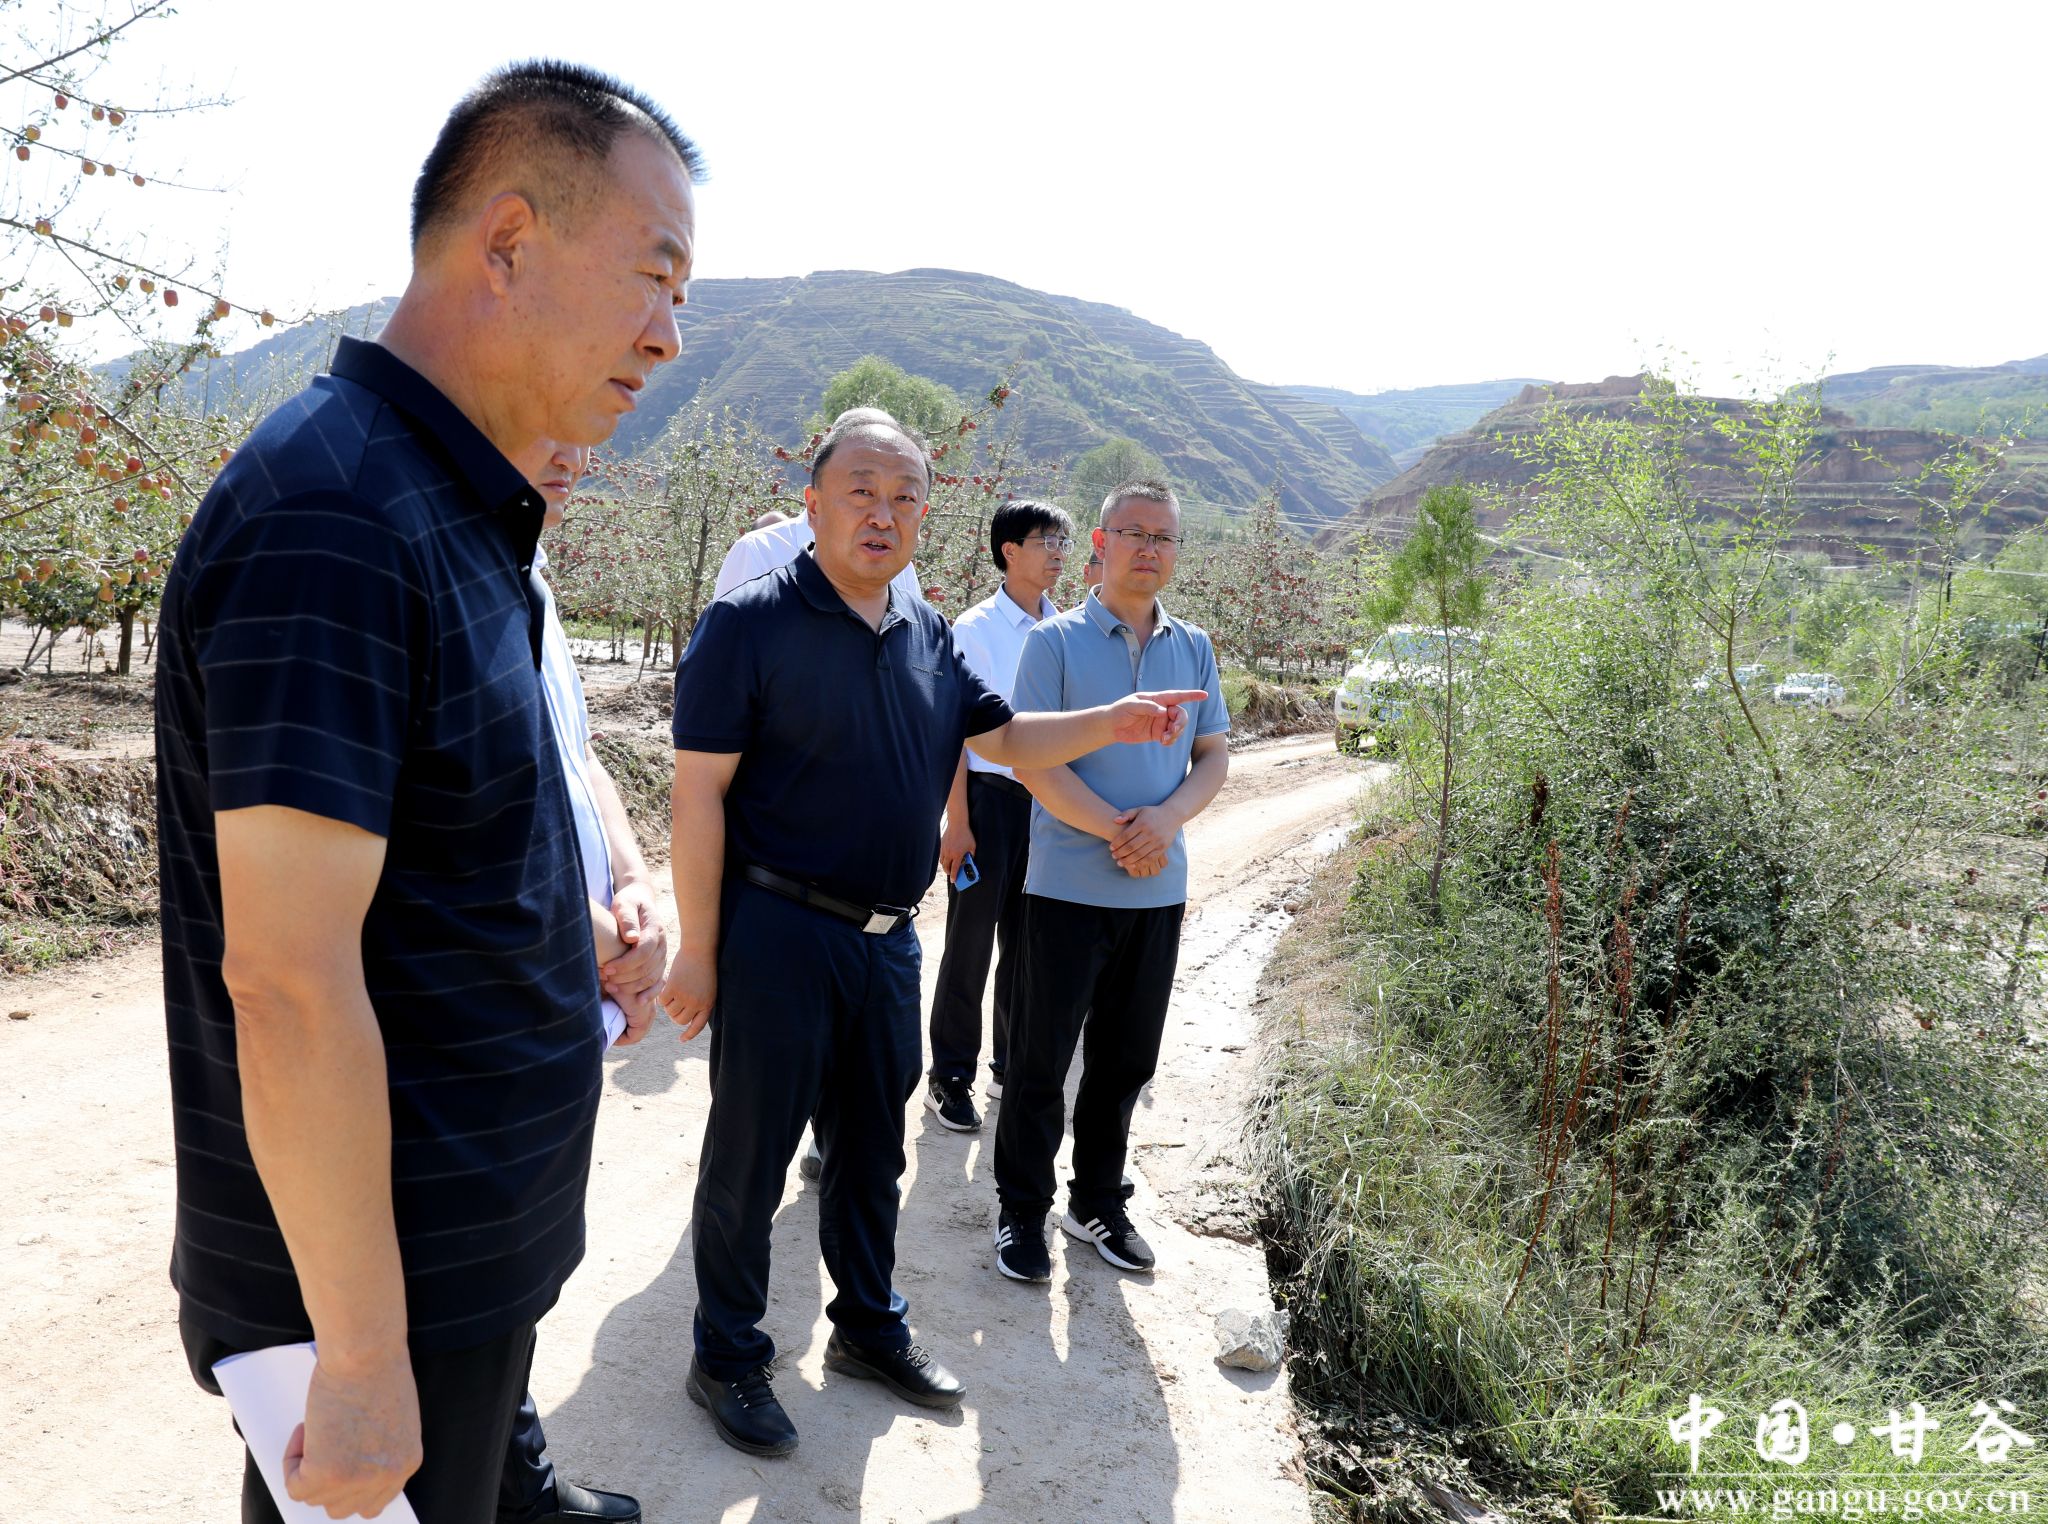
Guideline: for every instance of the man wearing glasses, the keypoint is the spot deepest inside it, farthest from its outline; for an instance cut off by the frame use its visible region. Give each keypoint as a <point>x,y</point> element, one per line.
<point>988,819</point>
<point>1105,890</point>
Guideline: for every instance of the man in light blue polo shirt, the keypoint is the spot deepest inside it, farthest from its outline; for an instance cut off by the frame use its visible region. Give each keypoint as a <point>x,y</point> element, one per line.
<point>1105,890</point>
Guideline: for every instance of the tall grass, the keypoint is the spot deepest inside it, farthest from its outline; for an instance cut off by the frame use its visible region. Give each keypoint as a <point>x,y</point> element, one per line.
<point>1408,1175</point>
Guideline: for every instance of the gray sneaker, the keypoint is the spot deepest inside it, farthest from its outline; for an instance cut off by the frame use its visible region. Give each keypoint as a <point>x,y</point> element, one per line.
<point>1114,1238</point>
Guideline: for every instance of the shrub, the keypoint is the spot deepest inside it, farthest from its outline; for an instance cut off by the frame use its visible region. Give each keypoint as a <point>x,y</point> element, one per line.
<point>1696,1075</point>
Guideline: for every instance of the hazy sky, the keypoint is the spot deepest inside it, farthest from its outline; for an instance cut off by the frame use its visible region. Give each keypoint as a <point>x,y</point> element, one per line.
<point>1358,195</point>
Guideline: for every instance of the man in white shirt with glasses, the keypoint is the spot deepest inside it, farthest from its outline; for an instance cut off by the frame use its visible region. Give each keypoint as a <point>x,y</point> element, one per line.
<point>985,845</point>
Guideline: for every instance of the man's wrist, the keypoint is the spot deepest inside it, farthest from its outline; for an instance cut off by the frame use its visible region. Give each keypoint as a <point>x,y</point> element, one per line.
<point>365,1355</point>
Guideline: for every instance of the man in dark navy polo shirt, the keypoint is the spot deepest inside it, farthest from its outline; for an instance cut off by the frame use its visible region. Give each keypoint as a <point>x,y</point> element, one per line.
<point>818,722</point>
<point>379,981</point>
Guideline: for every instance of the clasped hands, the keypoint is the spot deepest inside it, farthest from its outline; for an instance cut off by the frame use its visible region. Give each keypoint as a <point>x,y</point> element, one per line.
<point>1141,838</point>
<point>634,978</point>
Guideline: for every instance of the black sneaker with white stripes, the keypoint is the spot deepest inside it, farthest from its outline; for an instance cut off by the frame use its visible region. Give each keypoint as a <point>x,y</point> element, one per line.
<point>953,1101</point>
<point>1113,1236</point>
<point>1021,1253</point>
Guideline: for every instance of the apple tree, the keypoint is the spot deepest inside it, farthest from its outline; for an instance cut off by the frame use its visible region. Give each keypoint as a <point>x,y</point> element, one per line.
<point>104,465</point>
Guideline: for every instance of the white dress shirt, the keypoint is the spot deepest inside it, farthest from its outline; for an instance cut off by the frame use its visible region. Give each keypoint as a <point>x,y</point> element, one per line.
<point>570,721</point>
<point>759,551</point>
<point>991,636</point>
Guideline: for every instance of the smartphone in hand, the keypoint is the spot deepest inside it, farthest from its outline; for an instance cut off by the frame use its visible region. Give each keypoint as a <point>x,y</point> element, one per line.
<point>969,875</point>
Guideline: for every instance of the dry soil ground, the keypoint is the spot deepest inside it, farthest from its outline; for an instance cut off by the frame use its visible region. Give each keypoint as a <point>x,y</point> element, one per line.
<point>1095,1397</point>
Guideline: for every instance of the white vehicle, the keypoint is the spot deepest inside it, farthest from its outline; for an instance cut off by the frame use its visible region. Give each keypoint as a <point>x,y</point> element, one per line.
<point>1379,687</point>
<point>1817,688</point>
<point>1745,677</point>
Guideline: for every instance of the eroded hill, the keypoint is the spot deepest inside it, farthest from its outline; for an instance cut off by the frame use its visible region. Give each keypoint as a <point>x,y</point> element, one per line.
<point>1850,497</point>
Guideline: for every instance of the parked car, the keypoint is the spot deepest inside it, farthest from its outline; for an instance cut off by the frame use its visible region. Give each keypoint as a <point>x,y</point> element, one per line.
<point>1747,677</point>
<point>1379,688</point>
<point>1818,688</point>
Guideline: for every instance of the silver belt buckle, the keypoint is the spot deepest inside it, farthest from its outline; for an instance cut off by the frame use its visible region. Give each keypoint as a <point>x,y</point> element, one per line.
<point>879,924</point>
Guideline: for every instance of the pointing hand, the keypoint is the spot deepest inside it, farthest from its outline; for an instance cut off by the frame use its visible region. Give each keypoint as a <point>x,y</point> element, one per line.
<point>1157,717</point>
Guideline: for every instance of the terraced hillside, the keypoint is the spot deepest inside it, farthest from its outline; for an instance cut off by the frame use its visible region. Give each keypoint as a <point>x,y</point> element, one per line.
<point>1083,372</point>
<point>1957,399</point>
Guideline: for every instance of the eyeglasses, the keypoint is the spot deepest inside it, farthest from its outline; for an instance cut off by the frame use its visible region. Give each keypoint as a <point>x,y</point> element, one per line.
<point>1052,542</point>
<point>1137,537</point>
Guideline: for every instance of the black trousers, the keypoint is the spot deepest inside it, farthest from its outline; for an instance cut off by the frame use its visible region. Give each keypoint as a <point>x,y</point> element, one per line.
<point>999,814</point>
<point>1101,977</point>
<point>816,1021</point>
<point>529,1477</point>
<point>467,1400</point>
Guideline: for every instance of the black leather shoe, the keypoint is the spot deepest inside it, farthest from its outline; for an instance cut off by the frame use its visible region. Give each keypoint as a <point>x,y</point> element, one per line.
<point>911,1374</point>
<point>572,1504</point>
<point>744,1412</point>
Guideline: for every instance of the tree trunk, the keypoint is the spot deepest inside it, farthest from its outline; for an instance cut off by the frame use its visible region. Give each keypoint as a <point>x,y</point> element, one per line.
<point>127,648</point>
<point>1443,812</point>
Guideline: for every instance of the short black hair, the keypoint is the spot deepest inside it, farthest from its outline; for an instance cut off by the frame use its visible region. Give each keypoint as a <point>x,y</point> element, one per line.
<point>866,423</point>
<point>1018,518</point>
<point>1150,488</point>
<point>539,110</point>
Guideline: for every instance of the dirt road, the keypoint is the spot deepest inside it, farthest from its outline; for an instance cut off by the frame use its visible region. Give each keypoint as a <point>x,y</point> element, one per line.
<point>1096,1397</point>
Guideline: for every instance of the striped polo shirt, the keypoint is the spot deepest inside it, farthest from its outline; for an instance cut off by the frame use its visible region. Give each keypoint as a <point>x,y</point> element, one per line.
<point>350,629</point>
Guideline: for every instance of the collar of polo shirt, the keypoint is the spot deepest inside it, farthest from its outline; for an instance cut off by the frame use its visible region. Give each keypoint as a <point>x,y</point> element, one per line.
<point>821,595</point>
<point>481,465</point>
<point>1109,624</point>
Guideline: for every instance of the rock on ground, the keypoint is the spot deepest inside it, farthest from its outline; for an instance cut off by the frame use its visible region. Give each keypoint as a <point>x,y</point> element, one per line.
<point>1251,1341</point>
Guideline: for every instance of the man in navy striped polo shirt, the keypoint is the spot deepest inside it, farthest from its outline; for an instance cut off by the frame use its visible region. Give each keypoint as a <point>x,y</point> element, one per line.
<point>818,721</point>
<point>379,980</point>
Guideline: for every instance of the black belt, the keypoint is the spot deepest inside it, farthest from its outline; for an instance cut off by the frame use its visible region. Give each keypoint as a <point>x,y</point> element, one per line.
<point>997,780</point>
<point>878,920</point>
